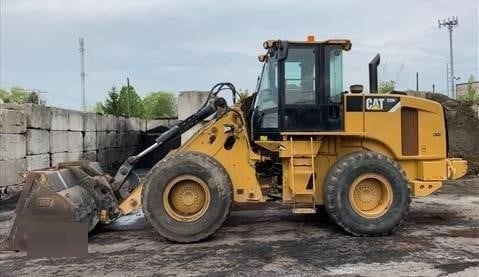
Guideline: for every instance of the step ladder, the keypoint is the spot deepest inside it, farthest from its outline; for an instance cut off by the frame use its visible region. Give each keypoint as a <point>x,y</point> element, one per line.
<point>302,166</point>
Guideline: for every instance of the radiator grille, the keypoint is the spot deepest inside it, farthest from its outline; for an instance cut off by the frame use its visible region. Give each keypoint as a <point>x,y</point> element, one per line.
<point>409,132</point>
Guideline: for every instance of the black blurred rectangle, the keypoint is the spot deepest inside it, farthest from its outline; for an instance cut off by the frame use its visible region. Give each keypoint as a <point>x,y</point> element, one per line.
<point>56,239</point>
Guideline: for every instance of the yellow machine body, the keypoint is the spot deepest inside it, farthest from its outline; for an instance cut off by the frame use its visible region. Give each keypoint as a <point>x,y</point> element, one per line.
<point>413,134</point>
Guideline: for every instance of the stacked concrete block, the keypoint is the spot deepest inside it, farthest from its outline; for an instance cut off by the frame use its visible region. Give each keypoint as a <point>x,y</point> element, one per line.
<point>38,141</point>
<point>111,122</point>
<point>89,141</point>
<point>58,158</point>
<point>11,172</point>
<point>59,136</point>
<point>75,142</point>
<point>38,117</point>
<point>188,103</point>
<point>121,139</point>
<point>90,122</point>
<point>38,149</point>
<point>121,124</point>
<point>66,135</point>
<point>101,140</point>
<point>12,121</point>
<point>40,161</point>
<point>133,124</point>
<point>36,137</point>
<point>59,119</point>
<point>39,122</point>
<point>58,141</point>
<point>112,139</point>
<point>12,145</point>
<point>76,121</point>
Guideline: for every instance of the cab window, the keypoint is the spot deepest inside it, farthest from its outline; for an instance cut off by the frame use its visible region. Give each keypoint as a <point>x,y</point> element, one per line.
<point>335,74</point>
<point>267,100</point>
<point>300,77</point>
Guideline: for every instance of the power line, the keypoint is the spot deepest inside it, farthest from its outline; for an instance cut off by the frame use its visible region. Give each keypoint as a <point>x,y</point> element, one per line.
<point>3,10</point>
<point>450,24</point>
<point>82,74</point>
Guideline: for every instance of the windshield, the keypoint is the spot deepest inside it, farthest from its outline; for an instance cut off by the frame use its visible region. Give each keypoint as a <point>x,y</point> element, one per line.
<point>268,89</point>
<point>267,100</point>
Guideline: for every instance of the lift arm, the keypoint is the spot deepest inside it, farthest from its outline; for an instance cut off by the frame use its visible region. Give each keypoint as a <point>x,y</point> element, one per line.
<point>208,109</point>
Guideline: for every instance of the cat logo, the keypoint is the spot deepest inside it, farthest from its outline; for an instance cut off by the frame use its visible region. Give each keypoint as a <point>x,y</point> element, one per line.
<point>382,104</point>
<point>374,104</point>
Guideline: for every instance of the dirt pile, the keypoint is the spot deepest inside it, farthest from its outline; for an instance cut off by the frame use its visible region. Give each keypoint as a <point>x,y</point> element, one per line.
<point>463,130</point>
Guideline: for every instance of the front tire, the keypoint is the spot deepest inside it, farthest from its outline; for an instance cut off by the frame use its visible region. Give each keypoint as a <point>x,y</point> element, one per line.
<point>187,197</point>
<point>367,194</point>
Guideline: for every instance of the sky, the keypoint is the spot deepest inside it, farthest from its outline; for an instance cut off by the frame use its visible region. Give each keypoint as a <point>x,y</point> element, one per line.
<point>178,45</point>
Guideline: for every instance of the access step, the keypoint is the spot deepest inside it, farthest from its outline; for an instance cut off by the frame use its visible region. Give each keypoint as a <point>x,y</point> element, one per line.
<point>304,210</point>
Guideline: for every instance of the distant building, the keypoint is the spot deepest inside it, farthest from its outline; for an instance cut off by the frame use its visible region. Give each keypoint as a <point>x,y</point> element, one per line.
<point>461,89</point>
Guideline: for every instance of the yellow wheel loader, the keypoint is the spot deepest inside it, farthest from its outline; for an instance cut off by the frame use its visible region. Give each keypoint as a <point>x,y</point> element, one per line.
<point>300,139</point>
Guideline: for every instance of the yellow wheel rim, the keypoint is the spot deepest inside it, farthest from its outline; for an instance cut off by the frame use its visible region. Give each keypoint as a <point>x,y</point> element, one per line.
<point>370,195</point>
<point>186,198</point>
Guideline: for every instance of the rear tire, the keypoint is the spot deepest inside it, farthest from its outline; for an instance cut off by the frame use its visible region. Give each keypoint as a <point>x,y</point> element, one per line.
<point>367,194</point>
<point>187,197</point>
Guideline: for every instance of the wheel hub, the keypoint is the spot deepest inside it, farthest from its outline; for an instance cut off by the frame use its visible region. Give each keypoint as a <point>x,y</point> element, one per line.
<point>366,192</point>
<point>370,195</point>
<point>186,198</point>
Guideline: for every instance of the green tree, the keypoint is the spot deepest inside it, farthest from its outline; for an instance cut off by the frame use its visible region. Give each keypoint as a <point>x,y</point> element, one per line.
<point>387,86</point>
<point>112,103</point>
<point>471,90</point>
<point>18,95</point>
<point>130,103</point>
<point>4,96</point>
<point>159,105</point>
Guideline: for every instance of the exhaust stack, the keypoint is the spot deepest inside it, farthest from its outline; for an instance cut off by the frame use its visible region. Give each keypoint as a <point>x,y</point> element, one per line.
<point>373,74</point>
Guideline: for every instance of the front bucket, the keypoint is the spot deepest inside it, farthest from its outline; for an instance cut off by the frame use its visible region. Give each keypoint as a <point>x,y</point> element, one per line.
<point>52,195</point>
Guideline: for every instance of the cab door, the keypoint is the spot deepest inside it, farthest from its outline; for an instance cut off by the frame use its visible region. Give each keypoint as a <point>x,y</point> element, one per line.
<point>299,84</point>
<point>311,88</point>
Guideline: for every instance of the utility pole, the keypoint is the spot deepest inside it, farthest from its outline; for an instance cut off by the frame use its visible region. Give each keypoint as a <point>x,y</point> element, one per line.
<point>82,73</point>
<point>128,94</point>
<point>450,24</point>
<point>417,81</point>
<point>433,88</point>
<point>448,80</point>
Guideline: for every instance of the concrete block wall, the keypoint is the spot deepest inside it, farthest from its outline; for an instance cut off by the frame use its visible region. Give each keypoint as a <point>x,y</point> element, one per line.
<point>13,126</point>
<point>35,137</point>
<point>188,103</point>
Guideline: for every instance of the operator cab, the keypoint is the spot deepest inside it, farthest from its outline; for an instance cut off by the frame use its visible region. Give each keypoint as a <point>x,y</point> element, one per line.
<point>300,88</point>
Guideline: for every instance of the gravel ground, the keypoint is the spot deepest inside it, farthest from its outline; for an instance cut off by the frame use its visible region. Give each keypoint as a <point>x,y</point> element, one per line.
<point>440,238</point>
